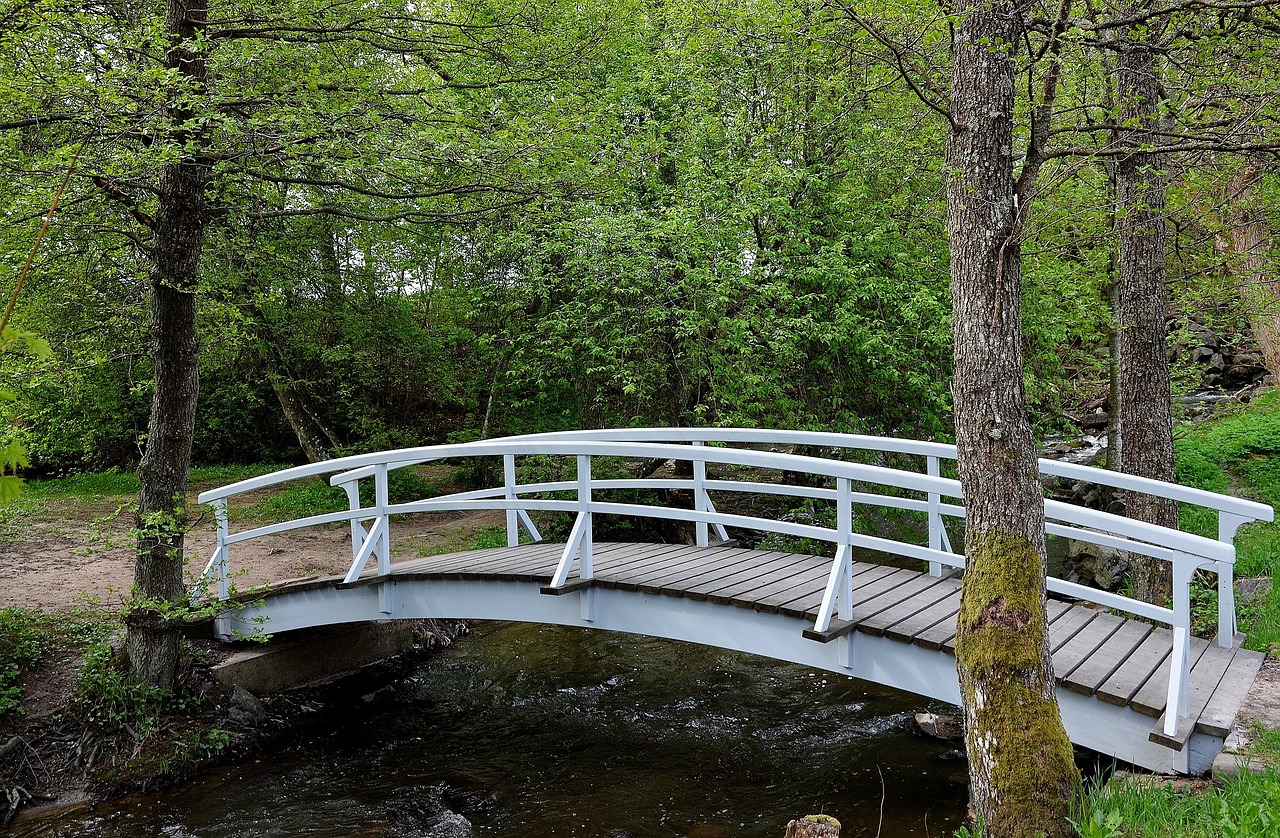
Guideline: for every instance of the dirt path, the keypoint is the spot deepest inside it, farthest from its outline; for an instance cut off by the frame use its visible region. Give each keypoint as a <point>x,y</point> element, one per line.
<point>60,563</point>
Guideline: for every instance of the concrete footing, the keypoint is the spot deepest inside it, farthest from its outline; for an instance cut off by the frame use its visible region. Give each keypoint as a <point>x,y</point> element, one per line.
<point>311,656</point>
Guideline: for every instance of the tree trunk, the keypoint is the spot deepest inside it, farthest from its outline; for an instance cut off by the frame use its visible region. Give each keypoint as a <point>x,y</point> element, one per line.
<point>1143,440</point>
<point>151,641</point>
<point>1248,243</point>
<point>1021,770</point>
<point>314,436</point>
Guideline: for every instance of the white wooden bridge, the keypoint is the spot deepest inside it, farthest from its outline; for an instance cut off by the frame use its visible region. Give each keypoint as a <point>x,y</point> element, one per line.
<point>1133,681</point>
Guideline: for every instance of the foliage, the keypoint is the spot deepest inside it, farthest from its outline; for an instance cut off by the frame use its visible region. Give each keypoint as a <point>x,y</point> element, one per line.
<point>1246,807</point>
<point>27,638</point>
<point>110,701</point>
<point>1238,451</point>
<point>13,454</point>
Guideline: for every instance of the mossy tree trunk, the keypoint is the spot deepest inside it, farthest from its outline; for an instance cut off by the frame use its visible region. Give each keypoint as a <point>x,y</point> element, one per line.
<point>1143,437</point>
<point>1021,770</point>
<point>152,638</point>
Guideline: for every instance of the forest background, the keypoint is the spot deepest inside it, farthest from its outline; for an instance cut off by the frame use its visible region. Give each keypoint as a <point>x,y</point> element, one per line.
<point>524,217</point>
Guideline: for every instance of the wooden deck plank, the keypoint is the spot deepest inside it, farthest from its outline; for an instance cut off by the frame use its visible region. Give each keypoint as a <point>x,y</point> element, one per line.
<point>1086,642</point>
<point>771,595</point>
<point>761,563</point>
<point>740,587</point>
<point>1221,710</point>
<point>637,557</point>
<point>803,594</point>
<point>686,565</point>
<point>1064,626</point>
<point>918,594</point>
<point>1153,695</point>
<point>1206,675</point>
<point>1151,656</point>
<point>866,595</point>
<point>450,561</point>
<point>911,629</point>
<point>1089,676</point>
<point>639,567</point>
<point>676,582</point>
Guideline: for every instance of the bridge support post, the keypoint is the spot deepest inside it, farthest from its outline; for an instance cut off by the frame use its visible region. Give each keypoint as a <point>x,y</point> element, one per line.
<point>937,534</point>
<point>1228,523</point>
<point>839,590</point>
<point>580,536</point>
<point>701,502</point>
<point>1184,570</point>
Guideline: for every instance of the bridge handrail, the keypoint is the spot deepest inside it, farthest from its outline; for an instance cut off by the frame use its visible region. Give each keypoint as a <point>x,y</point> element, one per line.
<point>1247,509</point>
<point>1185,551</point>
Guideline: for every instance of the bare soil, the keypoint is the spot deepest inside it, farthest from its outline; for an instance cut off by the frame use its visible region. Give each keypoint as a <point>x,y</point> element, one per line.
<point>65,562</point>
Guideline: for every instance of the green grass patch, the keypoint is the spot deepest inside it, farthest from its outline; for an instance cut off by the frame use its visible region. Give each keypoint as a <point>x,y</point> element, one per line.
<point>1239,453</point>
<point>90,485</point>
<point>474,538</point>
<point>1246,807</point>
<point>29,637</point>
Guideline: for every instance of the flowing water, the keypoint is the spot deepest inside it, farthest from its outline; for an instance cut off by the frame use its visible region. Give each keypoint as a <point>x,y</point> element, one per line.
<point>535,731</point>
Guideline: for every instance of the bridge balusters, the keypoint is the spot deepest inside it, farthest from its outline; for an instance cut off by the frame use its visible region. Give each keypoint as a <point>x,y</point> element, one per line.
<point>1184,570</point>
<point>1228,523</point>
<point>585,569</point>
<point>382,499</point>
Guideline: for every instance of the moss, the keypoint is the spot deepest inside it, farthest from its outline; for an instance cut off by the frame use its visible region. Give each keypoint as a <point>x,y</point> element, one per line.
<point>1019,752</point>
<point>1002,604</point>
<point>827,819</point>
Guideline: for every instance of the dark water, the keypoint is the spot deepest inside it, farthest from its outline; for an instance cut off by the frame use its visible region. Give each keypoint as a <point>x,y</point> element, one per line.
<point>541,731</point>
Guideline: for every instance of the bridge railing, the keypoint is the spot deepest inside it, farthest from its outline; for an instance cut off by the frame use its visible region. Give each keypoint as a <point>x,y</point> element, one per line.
<point>846,484</point>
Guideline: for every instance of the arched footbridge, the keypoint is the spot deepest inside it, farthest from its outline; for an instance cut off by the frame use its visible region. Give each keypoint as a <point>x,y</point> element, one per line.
<point>1134,683</point>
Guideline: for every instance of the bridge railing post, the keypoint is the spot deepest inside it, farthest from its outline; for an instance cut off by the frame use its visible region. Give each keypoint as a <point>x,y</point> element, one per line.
<point>1184,570</point>
<point>382,499</point>
<point>579,543</point>
<point>837,598</point>
<point>509,484</point>
<point>701,501</point>
<point>585,569</point>
<point>216,571</point>
<point>937,530</point>
<point>221,560</point>
<point>1228,523</point>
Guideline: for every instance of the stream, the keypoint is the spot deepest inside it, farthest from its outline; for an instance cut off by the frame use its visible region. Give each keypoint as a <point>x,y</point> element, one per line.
<point>530,731</point>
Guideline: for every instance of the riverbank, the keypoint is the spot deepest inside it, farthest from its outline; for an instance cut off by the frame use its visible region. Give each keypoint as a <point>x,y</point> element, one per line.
<point>83,735</point>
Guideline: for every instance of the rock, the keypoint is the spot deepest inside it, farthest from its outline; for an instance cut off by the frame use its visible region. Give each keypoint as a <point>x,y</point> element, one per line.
<point>426,813</point>
<point>1249,589</point>
<point>451,825</point>
<point>1096,566</point>
<point>814,826</point>
<point>244,709</point>
<point>948,728</point>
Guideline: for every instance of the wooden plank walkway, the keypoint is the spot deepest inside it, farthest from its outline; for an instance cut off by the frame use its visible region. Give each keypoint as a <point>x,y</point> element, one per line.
<point>1120,661</point>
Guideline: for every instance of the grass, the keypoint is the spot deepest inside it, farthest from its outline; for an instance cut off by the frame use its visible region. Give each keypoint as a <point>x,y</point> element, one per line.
<point>1245,807</point>
<point>463,539</point>
<point>1239,453</point>
<point>28,637</point>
